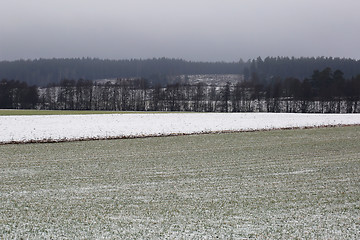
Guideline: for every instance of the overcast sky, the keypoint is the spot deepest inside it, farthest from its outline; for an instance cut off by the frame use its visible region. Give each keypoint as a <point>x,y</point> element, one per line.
<point>209,30</point>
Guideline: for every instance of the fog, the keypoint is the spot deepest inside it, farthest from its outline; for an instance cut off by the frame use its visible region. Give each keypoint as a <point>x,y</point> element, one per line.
<point>207,30</point>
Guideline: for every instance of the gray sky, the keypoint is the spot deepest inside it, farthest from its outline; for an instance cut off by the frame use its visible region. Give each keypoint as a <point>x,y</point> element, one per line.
<point>208,30</point>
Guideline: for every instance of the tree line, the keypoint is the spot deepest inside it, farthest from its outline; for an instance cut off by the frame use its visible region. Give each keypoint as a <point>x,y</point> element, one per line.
<point>325,91</point>
<point>42,72</point>
<point>301,68</point>
<point>18,95</point>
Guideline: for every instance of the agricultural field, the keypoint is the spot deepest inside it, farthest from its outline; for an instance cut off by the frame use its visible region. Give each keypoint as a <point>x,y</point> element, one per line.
<point>22,112</point>
<point>280,184</point>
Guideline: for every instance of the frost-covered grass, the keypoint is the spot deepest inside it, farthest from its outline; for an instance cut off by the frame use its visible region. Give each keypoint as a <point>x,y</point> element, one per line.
<point>285,184</point>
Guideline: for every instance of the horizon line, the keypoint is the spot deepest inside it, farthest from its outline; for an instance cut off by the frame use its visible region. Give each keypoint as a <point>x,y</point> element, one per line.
<point>176,58</point>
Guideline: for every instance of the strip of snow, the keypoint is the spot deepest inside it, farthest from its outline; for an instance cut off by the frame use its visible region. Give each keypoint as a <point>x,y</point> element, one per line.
<point>77,127</point>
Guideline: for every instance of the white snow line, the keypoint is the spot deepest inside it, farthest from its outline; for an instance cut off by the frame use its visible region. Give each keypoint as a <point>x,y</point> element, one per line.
<point>63,128</point>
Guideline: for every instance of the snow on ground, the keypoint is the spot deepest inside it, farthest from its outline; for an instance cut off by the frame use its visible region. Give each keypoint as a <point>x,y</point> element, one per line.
<point>76,127</point>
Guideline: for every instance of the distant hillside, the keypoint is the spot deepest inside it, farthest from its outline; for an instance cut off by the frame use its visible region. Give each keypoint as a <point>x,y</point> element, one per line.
<point>45,71</point>
<point>42,72</point>
<point>301,68</point>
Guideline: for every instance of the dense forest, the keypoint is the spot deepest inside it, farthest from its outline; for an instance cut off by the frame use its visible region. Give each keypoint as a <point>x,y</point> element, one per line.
<point>326,91</point>
<point>301,68</point>
<point>42,72</point>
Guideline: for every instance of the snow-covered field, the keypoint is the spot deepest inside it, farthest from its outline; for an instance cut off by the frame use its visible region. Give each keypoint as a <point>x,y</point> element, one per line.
<point>77,127</point>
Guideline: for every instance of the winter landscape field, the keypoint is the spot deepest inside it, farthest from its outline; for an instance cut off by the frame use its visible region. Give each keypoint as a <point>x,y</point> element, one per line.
<point>281,184</point>
<point>179,120</point>
<point>240,184</point>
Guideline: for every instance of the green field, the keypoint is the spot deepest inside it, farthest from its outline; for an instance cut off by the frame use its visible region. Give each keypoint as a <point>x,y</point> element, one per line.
<point>18,112</point>
<point>289,184</point>
<point>22,112</point>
